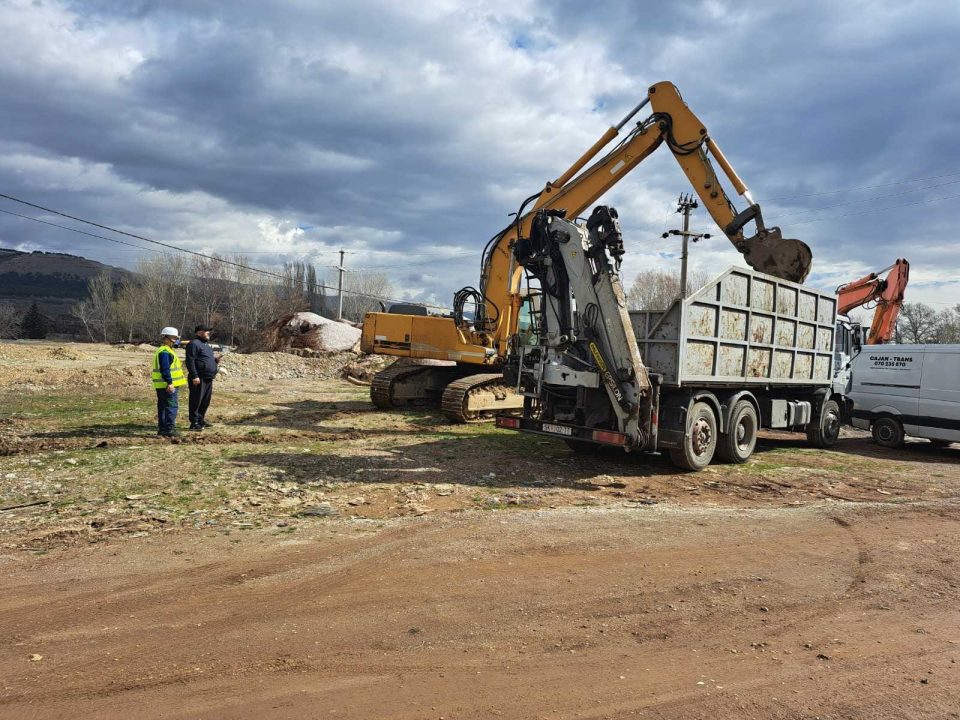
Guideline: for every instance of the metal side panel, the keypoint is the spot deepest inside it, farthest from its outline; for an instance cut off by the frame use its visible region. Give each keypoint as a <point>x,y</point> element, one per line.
<point>744,327</point>
<point>658,335</point>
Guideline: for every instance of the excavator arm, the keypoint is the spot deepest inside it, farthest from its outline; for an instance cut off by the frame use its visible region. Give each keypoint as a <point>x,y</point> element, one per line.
<point>887,295</point>
<point>688,139</point>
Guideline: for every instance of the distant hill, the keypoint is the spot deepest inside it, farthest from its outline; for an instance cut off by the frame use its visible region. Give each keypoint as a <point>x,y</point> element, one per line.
<point>55,281</point>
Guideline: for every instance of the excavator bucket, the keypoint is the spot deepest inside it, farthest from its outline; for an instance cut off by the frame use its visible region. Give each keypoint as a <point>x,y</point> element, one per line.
<point>768,252</point>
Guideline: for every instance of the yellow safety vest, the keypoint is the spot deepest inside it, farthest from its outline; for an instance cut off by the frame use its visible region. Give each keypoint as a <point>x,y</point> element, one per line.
<point>176,370</point>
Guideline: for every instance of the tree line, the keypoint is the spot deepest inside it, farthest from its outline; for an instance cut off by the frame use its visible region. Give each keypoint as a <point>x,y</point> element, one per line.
<point>235,299</point>
<point>920,324</point>
<point>238,301</point>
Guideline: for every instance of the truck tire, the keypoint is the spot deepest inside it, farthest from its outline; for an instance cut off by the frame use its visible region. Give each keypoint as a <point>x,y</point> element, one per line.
<point>700,440</point>
<point>824,432</point>
<point>888,432</point>
<point>737,445</point>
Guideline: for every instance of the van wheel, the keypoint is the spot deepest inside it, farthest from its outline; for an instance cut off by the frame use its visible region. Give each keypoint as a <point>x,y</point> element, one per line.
<point>888,432</point>
<point>824,432</point>
<point>737,445</point>
<point>700,441</point>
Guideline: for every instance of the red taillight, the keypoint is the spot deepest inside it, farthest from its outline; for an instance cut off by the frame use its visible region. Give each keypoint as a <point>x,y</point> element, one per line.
<point>508,422</point>
<point>609,438</point>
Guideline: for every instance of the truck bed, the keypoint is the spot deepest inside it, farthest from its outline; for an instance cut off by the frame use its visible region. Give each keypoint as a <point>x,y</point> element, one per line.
<point>742,328</point>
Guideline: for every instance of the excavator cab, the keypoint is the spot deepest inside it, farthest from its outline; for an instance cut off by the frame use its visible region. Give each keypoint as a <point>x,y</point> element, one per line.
<point>528,321</point>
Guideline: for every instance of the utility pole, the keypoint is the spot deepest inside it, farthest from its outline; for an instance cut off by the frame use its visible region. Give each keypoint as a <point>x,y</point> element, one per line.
<point>340,288</point>
<point>685,205</point>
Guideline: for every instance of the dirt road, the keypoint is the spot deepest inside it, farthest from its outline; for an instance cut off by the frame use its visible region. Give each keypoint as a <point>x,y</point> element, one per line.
<point>662,612</point>
<point>313,557</point>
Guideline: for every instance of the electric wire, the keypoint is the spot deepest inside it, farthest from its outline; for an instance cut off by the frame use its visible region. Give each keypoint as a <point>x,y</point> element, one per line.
<point>224,261</point>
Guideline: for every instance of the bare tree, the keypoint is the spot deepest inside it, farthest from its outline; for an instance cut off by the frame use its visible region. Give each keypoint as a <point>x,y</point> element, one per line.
<point>100,306</point>
<point>315,291</point>
<point>236,298</point>
<point>84,312</point>
<point>209,289</point>
<point>293,295</point>
<point>127,309</point>
<point>655,290</point>
<point>165,292</point>
<point>362,292</point>
<point>916,324</point>
<point>9,321</point>
<point>253,302</point>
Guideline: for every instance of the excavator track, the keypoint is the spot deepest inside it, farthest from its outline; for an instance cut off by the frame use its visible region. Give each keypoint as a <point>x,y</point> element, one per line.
<point>478,398</point>
<point>381,389</point>
<point>411,384</point>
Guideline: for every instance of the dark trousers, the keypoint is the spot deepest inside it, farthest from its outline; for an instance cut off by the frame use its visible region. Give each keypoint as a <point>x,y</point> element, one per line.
<point>200,400</point>
<point>167,406</point>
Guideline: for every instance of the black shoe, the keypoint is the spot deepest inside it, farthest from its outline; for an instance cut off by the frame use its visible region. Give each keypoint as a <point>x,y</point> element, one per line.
<point>169,434</point>
<point>204,424</point>
<point>195,428</point>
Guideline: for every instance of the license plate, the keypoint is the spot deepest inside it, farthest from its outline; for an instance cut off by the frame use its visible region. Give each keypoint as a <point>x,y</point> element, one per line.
<point>556,429</point>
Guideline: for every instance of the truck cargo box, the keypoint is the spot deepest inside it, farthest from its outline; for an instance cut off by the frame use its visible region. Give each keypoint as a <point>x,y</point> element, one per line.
<point>742,328</point>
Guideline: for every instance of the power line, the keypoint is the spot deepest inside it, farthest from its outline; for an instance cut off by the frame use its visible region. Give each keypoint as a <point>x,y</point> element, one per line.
<point>866,200</point>
<point>179,249</point>
<point>873,212</point>
<point>77,230</point>
<point>865,187</point>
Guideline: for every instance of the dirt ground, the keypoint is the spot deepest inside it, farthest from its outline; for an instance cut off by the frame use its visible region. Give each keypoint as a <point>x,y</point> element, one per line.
<point>311,556</point>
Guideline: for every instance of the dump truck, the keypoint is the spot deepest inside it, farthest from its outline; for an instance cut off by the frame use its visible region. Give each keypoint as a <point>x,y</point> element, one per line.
<point>747,351</point>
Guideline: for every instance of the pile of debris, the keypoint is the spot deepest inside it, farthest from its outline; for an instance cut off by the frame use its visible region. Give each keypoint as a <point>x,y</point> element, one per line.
<point>308,334</point>
<point>244,368</point>
<point>63,353</point>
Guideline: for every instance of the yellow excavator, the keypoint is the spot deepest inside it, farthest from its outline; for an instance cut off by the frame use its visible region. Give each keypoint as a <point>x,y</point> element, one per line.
<point>456,358</point>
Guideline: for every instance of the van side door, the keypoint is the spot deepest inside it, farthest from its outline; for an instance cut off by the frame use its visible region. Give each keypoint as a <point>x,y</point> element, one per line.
<point>886,381</point>
<point>940,396</point>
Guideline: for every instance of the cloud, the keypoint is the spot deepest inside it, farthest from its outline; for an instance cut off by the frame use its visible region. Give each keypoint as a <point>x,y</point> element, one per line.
<point>407,133</point>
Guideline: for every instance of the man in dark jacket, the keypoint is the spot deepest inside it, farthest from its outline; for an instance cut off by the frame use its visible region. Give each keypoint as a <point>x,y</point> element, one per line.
<point>201,370</point>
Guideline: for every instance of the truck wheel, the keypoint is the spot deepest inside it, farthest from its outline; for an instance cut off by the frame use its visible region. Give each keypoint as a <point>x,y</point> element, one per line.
<point>736,446</point>
<point>823,433</point>
<point>887,431</point>
<point>700,440</point>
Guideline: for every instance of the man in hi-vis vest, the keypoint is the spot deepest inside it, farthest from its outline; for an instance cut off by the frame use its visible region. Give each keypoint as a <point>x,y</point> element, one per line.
<point>167,378</point>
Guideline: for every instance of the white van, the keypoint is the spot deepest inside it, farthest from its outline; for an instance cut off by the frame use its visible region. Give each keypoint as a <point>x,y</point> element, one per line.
<point>898,390</point>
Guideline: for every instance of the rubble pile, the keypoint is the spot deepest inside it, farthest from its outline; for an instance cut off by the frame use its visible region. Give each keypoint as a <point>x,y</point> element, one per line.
<point>33,367</point>
<point>244,367</point>
<point>63,353</point>
<point>309,331</point>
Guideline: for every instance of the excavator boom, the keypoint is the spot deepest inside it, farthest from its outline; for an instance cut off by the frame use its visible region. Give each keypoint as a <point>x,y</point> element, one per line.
<point>672,122</point>
<point>886,292</point>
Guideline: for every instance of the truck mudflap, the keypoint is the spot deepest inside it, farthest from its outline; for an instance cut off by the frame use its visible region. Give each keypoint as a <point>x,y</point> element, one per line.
<point>560,430</point>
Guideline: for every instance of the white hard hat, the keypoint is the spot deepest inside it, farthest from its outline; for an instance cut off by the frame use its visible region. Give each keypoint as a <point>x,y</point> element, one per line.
<point>170,331</point>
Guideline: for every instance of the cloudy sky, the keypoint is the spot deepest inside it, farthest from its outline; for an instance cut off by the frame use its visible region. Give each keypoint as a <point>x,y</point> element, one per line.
<point>406,132</point>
